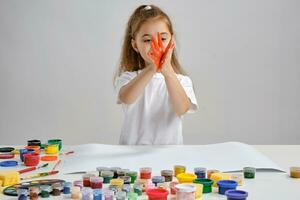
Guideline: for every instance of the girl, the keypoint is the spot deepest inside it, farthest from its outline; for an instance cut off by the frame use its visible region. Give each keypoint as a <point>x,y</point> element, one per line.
<point>151,85</point>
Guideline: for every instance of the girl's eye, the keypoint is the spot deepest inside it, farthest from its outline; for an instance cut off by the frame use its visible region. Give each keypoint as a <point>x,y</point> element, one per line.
<point>164,39</point>
<point>147,40</point>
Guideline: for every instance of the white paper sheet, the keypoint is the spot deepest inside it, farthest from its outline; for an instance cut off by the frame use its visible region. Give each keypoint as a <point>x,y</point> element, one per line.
<point>230,156</point>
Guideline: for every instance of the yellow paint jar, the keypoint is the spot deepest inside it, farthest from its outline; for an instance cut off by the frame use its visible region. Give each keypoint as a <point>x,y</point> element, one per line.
<point>178,169</point>
<point>51,149</point>
<point>219,176</point>
<point>186,177</point>
<point>117,182</point>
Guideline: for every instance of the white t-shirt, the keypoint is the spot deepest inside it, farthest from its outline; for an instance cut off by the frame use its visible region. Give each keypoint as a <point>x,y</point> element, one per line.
<point>151,119</point>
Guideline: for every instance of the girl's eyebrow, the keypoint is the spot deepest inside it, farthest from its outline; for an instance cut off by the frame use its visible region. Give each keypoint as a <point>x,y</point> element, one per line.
<point>162,33</point>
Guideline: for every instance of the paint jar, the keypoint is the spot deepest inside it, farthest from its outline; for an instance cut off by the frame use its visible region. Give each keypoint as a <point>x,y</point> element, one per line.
<point>249,172</point>
<point>225,185</point>
<point>107,176</point>
<point>168,174</point>
<point>45,191</point>
<point>121,195</point>
<point>178,169</point>
<point>236,195</point>
<point>158,179</point>
<point>51,149</point>
<point>143,183</point>
<point>67,189</point>
<point>25,151</point>
<point>295,172</point>
<point>115,171</point>
<point>97,194</point>
<point>37,149</point>
<point>219,176</point>
<point>78,183</point>
<point>108,195</point>
<point>172,187</point>
<point>132,196</point>
<point>56,141</point>
<point>122,172</point>
<point>210,172</point>
<point>137,188</point>
<point>93,173</point>
<point>56,189</point>
<point>186,177</point>
<point>87,193</point>
<point>76,192</point>
<point>34,193</point>
<point>133,175</point>
<point>32,159</point>
<point>86,178</point>
<point>200,172</point>
<point>34,143</point>
<point>185,192</point>
<point>100,169</point>
<point>126,188</point>
<point>22,193</point>
<point>199,190</point>
<point>207,184</point>
<point>145,172</point>
<point>96,182</point>
<point>117,182</point>
<point>113,188</point>
<point>126,179</point>
<point>238,178</point>
<point>157,194</point>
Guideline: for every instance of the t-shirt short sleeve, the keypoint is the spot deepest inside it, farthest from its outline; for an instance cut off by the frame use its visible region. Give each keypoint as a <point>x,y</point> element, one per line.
<point>187,85</point>
<point>122,80</point>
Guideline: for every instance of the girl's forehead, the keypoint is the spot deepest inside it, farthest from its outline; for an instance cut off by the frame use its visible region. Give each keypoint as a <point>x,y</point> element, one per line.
<point>152,27</point>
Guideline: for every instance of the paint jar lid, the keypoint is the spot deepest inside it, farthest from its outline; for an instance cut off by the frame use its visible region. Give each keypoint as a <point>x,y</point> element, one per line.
<point>8,163</point>
<point>146,169</point>
<point>115,169</point>
<point>186,177</point>
<point>167,172</point>
<point>204,181</point>
<point>67,184</point>
<point>158,179</point>
<point>157,193</point>
<point>200,169</point>
<point>100,169</point>
<point>236,194</point>
<point>6,149</point>
<point>122,171</point>
<point>249,169</point>
<point>131,173</point>
<point>96,179</point>
<point>107,174</point>
<point>185,187</point>
<point>227,184</point>
<point>179,166</point>
<point>116,181</point>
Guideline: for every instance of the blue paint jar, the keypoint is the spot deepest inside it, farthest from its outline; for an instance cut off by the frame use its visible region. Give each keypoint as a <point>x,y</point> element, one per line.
<point>158,179</point>
<point>225,185</point>
<point>67,188</point>
<point>236,195</point>
<point>97,194</point>
<point>200,172</point>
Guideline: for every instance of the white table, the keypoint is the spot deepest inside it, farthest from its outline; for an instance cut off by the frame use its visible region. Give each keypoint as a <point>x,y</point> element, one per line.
<point>266,185</point>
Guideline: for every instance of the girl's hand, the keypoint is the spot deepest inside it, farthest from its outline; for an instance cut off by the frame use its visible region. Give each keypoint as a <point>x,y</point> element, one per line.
<point>165,63</point>
<point>156,51</point>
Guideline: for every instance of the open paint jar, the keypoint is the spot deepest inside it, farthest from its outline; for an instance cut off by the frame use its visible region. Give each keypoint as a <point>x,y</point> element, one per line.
<point>145,172</point>
<point>200,172</point>
<point>178,169</point>
<point>107,176</point>
<point>225,185</point>
<point>185,191</point>
<point>249,172</point>
<point>207,184</point>
<point>186,177</point>
<point>133,175</point>
<point>236,195</point>
<point>157,194</point>
<point>168,174</point>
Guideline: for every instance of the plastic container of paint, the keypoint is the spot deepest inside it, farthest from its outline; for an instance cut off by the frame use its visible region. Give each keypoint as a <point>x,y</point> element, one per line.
<point>126,179</point>
<point>87,193</point>
<point>225,185</point>
<point>56,141</point>
<point>45,191</point>
<point>236,195</point>
<point>78,183</point>
<point>100,169</point>
<point>157,194</point>
<point>145,172</point>
<point>86,178</point>
<point>25,151</point>
<point>158,179</point>
<point>76,192</point>
<point>168,174</point>
<point>37,149</point>
<point>51,149</point>
<point>22,193</point>
<point>295,172</point>
<point>121,195</point>
<point>117,182</point>
<point>67,188</point>
<point>200,172</point>
<point>107,176</point>
<point>126,188</point>
<point>113,188</point>
<point>172,187</point>
<point>185,191</point>
<point>56,189</point>
<point>108,195</point>
<point>115,171</point>
<point>122,172</point>
<point>186,177</point>
<point>97,194</point>
<point>137,188</point>
<point>34,193</point>
<point>132,196</point>
<point>34,143</point>
<point>249,172</point>
<point>133,175</point>
<point>178,169</point>
<point>96,182</point>
<point>31,159</point>
<point>207,184</point>
<point>216,177</point>
<point>210,172</point>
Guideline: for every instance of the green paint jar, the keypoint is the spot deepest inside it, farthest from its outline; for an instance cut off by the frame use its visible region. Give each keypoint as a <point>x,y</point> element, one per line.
<point>56,141</point>
<point>249,172</point>
<point>133,175</point>
<point>207,184</point>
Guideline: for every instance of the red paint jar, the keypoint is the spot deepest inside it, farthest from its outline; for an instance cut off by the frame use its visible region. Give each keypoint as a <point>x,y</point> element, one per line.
<point>86,178</point>
<point>145,173</point>
<point>96,182</point>
<point>157,194</point>
<point>31,159</point>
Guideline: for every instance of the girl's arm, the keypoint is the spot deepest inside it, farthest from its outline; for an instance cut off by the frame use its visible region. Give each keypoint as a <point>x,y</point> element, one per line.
<point>131,91</point>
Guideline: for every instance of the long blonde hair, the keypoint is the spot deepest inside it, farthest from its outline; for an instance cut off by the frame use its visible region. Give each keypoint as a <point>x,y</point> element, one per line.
<point>131,60</point>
